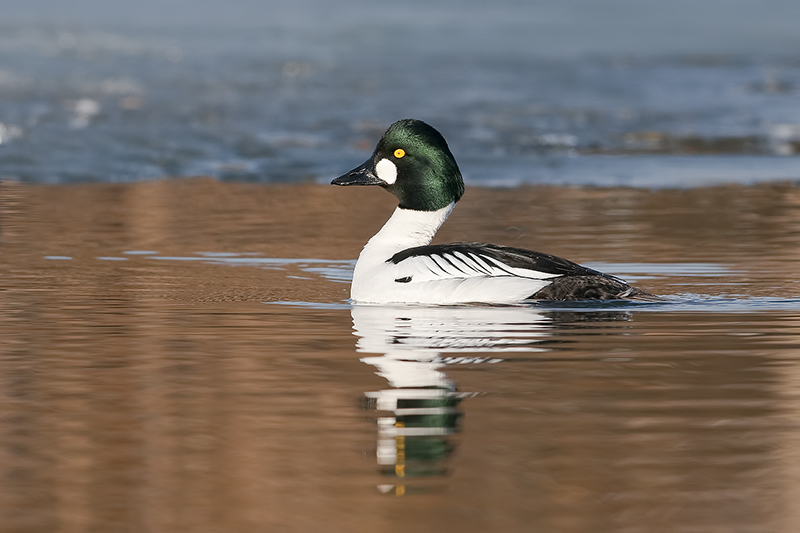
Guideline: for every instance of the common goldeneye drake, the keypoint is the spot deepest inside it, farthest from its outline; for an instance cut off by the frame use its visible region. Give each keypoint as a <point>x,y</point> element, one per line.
<point>399,265</point>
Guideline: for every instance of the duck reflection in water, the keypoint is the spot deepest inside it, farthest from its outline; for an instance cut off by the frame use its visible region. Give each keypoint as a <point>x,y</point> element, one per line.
<point>419,415</point>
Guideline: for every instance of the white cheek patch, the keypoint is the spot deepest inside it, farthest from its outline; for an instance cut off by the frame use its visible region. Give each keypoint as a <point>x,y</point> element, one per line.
<point>386,171</point>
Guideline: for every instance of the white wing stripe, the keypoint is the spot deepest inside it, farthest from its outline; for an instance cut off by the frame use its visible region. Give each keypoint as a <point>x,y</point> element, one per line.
<point>465,268</point>
<point>441,262</point>
<point>456,263</point>
<point>461,265</point>
<point>474,261</point>
<point>483,261</point>
<point>498,265</point>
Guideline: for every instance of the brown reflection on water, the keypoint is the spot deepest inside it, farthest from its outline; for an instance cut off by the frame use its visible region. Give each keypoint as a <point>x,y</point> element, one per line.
<point>280,221</point>
<point>164,395</point>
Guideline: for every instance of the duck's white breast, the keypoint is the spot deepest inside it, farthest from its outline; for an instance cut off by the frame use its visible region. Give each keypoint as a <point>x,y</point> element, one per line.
<point>449,291</point>
<point>435,279</point>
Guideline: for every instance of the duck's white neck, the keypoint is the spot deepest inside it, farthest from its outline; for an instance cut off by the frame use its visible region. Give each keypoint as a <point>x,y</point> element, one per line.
<point>373,278</point>
<point>406,229</point>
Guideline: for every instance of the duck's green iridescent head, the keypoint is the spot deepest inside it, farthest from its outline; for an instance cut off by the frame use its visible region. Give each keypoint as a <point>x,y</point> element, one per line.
<point>413,162</point>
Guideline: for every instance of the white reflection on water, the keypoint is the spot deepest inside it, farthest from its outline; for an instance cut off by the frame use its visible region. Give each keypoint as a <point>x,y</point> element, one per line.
<point>413,441</point>
<point>409,330</point>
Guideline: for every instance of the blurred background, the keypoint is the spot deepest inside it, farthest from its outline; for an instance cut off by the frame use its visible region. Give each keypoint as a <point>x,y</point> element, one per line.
<point>620,92</point>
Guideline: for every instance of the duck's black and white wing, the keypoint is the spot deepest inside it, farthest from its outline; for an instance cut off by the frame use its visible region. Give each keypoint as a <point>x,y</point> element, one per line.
<point>471,259</point>
<point>507,269</point>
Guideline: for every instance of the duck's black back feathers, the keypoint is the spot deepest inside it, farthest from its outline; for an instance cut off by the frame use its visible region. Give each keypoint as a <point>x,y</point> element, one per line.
<point>568,280</point>
<point>505,255</point>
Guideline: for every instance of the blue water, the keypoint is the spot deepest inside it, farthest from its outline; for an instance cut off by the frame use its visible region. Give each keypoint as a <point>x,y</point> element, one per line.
<point>641,94</point>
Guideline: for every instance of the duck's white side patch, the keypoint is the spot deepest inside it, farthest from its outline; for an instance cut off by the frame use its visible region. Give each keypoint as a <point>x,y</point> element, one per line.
<point>386,170</point>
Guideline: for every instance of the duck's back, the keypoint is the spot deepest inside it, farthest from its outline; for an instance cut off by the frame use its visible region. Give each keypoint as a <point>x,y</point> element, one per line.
<point>489,273</point>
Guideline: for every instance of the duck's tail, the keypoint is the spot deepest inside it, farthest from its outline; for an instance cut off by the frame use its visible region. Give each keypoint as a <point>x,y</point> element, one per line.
<point>567,288</point>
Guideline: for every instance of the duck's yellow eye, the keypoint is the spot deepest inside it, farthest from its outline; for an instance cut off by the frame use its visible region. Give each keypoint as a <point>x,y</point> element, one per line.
<point>399,153</point>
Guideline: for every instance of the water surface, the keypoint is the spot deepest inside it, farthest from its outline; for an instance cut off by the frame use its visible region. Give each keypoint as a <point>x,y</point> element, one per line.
<point>180,356</point>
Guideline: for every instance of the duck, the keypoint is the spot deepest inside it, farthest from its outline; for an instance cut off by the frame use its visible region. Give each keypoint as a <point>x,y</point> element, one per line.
<point>399,265</point>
